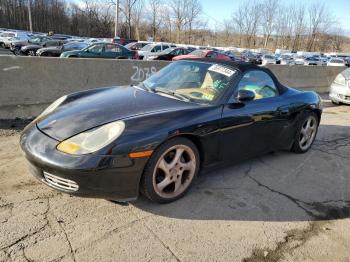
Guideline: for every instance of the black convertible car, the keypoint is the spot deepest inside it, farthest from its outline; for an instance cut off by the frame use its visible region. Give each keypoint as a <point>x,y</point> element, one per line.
<point>155,137</point>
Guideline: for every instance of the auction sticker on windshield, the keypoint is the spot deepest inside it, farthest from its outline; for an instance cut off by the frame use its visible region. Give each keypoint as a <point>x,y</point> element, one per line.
<point>222,70</point>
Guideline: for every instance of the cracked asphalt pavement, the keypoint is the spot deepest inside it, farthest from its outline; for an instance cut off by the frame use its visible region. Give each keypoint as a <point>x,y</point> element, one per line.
<point>278,207</point>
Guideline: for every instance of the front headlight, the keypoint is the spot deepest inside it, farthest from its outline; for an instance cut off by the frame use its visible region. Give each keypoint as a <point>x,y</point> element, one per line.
<point>52,107</point>
<point>92,140</point>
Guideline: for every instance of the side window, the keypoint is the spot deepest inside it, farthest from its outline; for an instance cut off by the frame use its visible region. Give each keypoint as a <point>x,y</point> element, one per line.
<point>177,52</point>
<point>157,48</point>
<point>112,49</point>
<point>212,54</point>
<point>260,83</point>
<point>96,48</point>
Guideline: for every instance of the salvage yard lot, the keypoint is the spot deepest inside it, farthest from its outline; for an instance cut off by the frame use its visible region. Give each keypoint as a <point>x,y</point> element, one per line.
<point>279,207</point>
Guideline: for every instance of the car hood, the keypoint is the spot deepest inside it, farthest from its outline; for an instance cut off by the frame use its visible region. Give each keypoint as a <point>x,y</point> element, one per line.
<point>67,53</point>
<point>88,109</point>
<point>51,48</point>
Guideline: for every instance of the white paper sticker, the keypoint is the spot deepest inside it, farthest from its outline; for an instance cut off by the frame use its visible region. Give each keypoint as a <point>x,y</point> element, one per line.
<point>222,70</point>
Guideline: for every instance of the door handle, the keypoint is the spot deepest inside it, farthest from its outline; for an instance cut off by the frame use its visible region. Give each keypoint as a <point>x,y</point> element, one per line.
<point>283,111</point>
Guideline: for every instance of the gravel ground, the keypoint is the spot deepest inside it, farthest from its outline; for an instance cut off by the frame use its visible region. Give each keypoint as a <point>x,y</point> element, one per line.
<point>278,207</point>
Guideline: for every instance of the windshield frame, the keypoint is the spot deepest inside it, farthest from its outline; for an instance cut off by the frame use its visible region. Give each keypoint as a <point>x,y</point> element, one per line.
<point>221,99</point>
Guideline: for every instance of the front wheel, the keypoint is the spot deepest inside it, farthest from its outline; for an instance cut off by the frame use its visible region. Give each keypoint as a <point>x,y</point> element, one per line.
<point>306,133</point>
<point>31,53</point>
<point>170,170</point>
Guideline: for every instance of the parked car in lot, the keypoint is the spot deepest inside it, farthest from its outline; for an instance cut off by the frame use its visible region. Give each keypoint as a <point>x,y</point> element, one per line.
<point>312,61</point>
<point>56,51</point>
<point>7,37</point>
<point>252,58</point>
<point>137,45</point>
<point>153,49</point>
<point>268,59</point>
<point>203,54</point>
<point>34,44</point>
<point>340,88</point>
<point>154,138</point>
<point>299,60</point>
<point>287,60</point>
<point>16,41</point>
<point>169,54</point>
<point>102,50</point>
<point>347,61</point>
<point>336,62</point>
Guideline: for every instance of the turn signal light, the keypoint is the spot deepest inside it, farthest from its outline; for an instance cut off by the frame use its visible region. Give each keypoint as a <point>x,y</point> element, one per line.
<point>141,154</point>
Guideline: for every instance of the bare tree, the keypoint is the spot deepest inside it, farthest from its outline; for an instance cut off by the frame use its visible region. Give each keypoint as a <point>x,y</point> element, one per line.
<point>137,14</point>
<point>298,13</point>
<point>318,15</point>
<point>268,16</point>
<point>179,9</point>
<point>127,10</point>
<point>193,11</point>
<point>155,8</point>
<point>250,21</point>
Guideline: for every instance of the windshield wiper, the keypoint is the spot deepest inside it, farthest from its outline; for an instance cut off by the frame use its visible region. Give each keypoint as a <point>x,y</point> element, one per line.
<point>144,87</point>
<point>171,93</point>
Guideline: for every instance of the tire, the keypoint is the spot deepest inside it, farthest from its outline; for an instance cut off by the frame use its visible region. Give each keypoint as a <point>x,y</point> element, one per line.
<point>306,132</point>
<point>162,167</point>
<point>335,102</point>
<point>2,45</point>
<point>31,53</point>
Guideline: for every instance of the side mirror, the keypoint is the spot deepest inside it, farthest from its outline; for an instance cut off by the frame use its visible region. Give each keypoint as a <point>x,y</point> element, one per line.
<point>245,95</point>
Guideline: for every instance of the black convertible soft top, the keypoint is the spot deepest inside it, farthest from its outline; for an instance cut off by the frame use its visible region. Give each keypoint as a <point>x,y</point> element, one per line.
<point>242,67</point>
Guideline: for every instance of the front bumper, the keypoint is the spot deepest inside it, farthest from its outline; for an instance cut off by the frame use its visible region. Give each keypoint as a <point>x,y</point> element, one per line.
<point>340,94</point>
<point>114,177</point>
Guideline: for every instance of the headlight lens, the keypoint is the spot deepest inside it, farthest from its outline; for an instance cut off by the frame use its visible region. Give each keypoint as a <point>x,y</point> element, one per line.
<point>92,140</point>
<point>340,80</point>
<point>53,106</point>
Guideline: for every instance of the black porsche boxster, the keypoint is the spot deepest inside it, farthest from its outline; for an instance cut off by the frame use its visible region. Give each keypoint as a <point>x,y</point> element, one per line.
<point>114,142</point>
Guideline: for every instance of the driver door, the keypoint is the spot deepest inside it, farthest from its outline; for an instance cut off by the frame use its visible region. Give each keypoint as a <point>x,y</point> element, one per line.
<point>253,127</point>
<point>94,51</point>
<point>112,51</point>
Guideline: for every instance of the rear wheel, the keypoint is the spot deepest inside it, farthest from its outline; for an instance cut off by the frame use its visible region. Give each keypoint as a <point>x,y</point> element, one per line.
<point>31,53</point>
<point>306,132</point>
<point>170,171</point>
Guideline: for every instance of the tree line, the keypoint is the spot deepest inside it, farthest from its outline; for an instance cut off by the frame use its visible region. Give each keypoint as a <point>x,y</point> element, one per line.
<point>254,24</point>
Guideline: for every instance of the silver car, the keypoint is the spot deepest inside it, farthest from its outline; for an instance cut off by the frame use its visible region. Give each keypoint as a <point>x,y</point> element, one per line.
<point>340,88</point>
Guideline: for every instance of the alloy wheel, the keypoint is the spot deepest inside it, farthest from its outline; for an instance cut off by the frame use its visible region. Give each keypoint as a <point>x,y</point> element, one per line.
<point>174,171</point>
<point>308,132</point>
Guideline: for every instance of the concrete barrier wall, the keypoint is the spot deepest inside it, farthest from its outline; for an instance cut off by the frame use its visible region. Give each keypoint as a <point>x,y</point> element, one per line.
<point>317,78</point>
<point>29,84</point>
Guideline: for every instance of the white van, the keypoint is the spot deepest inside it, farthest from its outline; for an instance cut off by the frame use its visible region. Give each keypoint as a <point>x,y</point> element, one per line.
<point>6,37</point>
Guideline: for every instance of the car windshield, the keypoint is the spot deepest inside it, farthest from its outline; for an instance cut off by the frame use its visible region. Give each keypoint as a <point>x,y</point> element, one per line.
<point>337,61</point>
<point>147,48</point>
<point>198,53</point>
<point>193,81</point>
<point>34,40</point>
<point>168,50</point>
<point>269,57</point>
<point>76,45</point>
